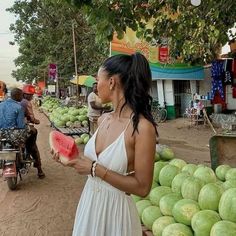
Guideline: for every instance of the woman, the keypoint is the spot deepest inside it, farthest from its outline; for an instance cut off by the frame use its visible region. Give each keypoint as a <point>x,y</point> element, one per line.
<point>119,157</point>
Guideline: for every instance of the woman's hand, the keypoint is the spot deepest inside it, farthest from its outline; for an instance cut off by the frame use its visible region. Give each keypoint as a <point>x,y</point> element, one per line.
<point>82,165</point>
<point>55,156</point>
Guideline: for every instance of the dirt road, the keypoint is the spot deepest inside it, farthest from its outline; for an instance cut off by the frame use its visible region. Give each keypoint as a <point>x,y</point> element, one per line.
<point>47,207</point>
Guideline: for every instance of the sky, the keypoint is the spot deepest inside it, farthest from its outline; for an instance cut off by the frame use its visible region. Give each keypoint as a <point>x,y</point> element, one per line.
<point>7,52</point>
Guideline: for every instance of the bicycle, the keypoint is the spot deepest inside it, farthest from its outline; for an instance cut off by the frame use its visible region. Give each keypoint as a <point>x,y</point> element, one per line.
<point>159,113</point>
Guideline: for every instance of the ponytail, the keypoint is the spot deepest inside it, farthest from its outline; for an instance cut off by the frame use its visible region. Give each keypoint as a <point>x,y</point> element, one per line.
<point>135,77</point>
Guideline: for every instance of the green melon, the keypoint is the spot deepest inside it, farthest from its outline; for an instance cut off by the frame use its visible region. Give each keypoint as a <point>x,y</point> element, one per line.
<point>223,228</point>
<point>231,174</point>
<point>227,205</point>
<point>191,187</point>
<point>177,229</point>
<point>149,215</point>
<point>221,171</point>
<point>210,195</point>
<point>178,181</point>
<point>203,221</point>
<point>184,210</point>
<point>141,205</point>
<point>189,168</point>
<point>160,223</point>
<point>157,193</point>
<point>205,174</point>
<point>178,163</point>
<point>167,174</point>
<point>231,183</point>
<point>167,203</point>
<point>157,168</point>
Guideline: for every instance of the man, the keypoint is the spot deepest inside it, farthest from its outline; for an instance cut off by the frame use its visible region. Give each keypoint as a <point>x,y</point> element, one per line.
<point>31,145</point>
<point>11,112</point>
<point>12,116</point>
<point>94,108</point>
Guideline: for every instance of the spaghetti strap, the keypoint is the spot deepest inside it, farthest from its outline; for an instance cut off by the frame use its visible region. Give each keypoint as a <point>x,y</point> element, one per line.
<point>128,122</point>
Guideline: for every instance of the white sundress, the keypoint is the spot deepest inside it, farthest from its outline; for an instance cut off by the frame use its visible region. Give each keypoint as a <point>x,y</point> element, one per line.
<point>104,210</point>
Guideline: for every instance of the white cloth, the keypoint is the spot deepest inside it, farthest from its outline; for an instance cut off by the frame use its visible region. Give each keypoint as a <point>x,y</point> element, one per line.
<point>104,210</point>
<point>93,97</point>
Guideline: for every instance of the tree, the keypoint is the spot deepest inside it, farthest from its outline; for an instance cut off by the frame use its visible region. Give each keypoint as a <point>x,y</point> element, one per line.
<point>194,34</point>
<point>43,31</point>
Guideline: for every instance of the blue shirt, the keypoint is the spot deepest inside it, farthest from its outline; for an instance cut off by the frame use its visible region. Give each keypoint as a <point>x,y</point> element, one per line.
<point>11,114</point>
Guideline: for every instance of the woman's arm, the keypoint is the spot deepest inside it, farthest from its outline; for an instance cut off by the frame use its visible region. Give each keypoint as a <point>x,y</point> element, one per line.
<point>140,182</point>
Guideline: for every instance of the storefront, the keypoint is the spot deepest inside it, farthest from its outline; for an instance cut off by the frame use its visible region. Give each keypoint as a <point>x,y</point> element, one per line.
<point>173,82</point>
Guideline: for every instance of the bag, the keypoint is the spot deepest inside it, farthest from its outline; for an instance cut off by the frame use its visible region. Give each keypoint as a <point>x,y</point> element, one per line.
<point>15,136</point>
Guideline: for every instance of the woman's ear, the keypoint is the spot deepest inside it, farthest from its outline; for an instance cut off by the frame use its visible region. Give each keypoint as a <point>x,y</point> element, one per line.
<point>112,83</point>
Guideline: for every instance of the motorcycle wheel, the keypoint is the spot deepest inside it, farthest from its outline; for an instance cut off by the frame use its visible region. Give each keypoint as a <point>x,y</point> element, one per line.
<point>11,182</point>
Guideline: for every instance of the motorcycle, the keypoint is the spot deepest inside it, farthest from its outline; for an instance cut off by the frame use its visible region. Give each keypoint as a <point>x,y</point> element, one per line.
<point>14,162</point>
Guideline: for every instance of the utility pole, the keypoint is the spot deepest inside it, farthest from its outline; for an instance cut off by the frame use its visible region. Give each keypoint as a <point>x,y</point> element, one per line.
<point>75,61</point>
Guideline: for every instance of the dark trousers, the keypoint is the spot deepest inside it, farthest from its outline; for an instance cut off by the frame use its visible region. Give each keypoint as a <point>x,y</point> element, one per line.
<point>32,148</point>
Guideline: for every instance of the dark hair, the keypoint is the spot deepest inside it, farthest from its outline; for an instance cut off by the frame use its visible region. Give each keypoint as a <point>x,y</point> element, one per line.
<point>16,94</point>
<point>135,76</point>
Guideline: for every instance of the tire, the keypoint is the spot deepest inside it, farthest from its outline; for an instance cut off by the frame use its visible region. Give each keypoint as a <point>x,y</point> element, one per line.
<point>158,116</point>
<point>163,115</point>
<point>11,182</point>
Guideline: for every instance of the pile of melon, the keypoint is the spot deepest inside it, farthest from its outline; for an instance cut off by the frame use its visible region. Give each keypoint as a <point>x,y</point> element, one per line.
<point>188,199</point>
<point>63,116</point>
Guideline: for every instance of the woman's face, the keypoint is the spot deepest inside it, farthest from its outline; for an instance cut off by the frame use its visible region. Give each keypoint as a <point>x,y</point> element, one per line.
<point>103,86</point>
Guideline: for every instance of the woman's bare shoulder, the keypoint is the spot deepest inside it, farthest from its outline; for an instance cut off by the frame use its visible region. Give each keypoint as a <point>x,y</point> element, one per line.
<point>103,117</point>
<point>145,127</point>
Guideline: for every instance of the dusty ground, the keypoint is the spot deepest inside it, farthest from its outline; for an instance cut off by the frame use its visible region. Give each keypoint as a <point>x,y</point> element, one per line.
<point>47,207</point>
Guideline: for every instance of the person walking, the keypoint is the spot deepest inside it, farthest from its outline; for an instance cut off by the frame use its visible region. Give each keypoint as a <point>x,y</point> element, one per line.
<point>119,157</point>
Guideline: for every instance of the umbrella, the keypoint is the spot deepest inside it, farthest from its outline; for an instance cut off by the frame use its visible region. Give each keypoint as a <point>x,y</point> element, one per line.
<point>86,80</point>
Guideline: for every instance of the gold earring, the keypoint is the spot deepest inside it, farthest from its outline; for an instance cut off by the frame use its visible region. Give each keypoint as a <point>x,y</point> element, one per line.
<point>111,88</point>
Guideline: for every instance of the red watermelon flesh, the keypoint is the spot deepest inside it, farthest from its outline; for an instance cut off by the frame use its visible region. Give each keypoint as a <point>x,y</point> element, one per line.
<point>64,145</point>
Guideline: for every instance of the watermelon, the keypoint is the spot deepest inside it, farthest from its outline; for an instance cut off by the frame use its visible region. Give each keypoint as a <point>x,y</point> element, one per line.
<point>231,183</point>
<point>64,145</point>
<point>157,193</point>
<point>231,174</point>
<point>203,221</point>
<point>178,162</point>
<point>189,168</point>
<point>149,215</point>
<point>191,187</point>
<point>141,205</point>
<point>223,228</point>
<point>227,205</point>
<point>184,210</point>
<point>160,223</point>
<point>221,171</point>
<point>206,174</point>
<point>135,198</point>
<point>178,181</point>
<point>167,203</point>
<point>177,229</point>
<point>210,195</point>
<point>167,174</point>
<point>157,168</point>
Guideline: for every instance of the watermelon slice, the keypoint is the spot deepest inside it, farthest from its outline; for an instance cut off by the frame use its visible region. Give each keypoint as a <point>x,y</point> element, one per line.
<point>64,145</point>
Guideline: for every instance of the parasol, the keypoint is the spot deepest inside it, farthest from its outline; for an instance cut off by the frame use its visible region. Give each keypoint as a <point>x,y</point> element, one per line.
<point>86,80</point>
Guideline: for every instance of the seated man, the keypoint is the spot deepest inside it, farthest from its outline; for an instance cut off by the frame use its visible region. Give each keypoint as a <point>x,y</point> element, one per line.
<point>31,145</point>
<point>12,116</point>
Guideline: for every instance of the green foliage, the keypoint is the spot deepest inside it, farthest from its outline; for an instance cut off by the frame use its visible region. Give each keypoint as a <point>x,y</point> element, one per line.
<point>194,34</point>
<point>43,31</point>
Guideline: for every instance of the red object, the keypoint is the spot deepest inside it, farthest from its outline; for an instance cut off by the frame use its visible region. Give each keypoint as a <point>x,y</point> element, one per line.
<point>163,54</point>
<point>234,92</point>
<point>28,89</point>
<point>217,99</point>
<point>64,145</point>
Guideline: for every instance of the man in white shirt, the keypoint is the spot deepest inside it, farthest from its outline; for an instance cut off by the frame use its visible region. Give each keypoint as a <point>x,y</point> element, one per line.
<point>94,109</point>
